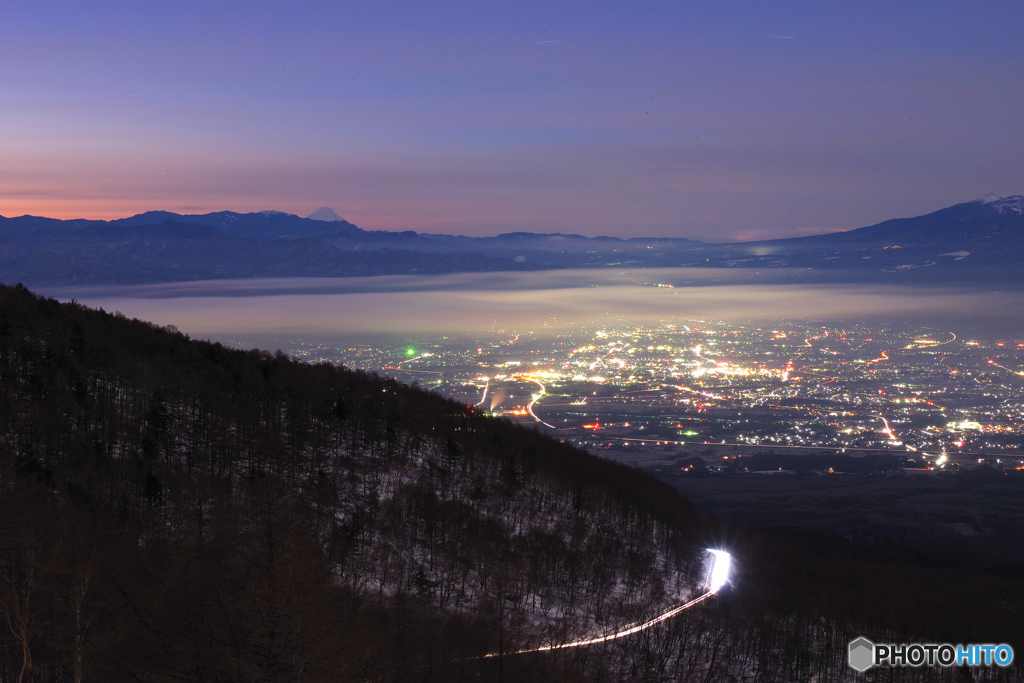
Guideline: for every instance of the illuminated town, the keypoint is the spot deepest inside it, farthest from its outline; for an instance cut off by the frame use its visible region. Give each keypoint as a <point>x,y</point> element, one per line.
<point>651,395</point>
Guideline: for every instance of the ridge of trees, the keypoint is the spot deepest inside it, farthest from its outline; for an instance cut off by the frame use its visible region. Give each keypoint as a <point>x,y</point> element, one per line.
<point>174,509</point>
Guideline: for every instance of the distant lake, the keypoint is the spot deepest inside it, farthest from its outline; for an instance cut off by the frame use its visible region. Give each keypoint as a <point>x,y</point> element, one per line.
<point>265,310</point>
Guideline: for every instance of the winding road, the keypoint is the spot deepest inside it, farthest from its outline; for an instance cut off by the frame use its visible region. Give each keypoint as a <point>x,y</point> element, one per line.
<point>529,406</point>
<point>718,576</point>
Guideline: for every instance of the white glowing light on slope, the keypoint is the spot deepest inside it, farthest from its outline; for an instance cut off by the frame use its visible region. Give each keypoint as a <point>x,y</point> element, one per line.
<point>717,577</point>
<point>720,568</point>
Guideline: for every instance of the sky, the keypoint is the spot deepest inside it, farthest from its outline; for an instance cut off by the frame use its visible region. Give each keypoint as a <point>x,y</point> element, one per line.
<point>709,120</point>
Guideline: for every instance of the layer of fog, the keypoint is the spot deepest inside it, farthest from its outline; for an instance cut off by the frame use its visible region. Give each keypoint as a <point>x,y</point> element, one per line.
<point>336,308</point>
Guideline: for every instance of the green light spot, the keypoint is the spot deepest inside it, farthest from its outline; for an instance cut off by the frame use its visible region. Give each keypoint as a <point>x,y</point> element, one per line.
<point>410,352</point>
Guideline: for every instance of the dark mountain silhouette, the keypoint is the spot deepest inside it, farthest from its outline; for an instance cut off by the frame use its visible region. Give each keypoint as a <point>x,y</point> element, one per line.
<point>263,224</point>
<point>119,252</point>
<point>980,241</point>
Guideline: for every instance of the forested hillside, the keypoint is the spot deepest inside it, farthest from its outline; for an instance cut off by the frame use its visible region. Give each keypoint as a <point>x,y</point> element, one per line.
<point>173,510</point>
<point>176,510</point>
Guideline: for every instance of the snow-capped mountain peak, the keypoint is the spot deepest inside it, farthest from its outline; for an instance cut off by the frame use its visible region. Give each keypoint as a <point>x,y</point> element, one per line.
<point>325,213</point>
<point>1012,205</point>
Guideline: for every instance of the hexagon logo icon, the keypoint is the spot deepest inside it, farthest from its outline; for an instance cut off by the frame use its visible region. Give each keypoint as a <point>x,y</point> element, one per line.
<point>862,654</point>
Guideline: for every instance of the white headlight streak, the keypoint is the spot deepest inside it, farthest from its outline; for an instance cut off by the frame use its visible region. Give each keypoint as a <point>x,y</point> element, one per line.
<point>718,576</point>
<point>720,568</point>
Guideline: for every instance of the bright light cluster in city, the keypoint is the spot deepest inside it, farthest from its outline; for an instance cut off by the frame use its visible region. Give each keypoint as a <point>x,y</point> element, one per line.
<point>649,392</point>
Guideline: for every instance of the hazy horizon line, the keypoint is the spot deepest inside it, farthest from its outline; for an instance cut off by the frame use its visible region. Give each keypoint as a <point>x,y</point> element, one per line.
<point>756,236</point>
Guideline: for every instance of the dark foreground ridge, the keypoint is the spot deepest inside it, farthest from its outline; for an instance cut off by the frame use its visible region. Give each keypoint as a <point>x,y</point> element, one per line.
<point>176,510</point>
<point>172,510</point>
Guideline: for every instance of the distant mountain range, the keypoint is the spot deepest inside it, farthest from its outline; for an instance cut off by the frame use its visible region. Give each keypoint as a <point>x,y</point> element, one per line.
<point>981,241</point>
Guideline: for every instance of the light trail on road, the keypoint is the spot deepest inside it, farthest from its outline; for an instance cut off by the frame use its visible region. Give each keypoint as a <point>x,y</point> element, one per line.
<point>718,576</point>
<point>697,350</point>
<point>940,458</point>
<point>828,378</point>
<point>732,444</point>
<point>1021,374</point>
<point>884,356</point>
<point>888,429</point>
<point>705,394</point>
<point>484,397</point>
<point>529,406</point>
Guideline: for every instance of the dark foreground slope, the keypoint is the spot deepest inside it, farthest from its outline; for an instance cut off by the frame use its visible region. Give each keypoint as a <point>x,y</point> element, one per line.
<point>174,510</point>
<point>171,510</point>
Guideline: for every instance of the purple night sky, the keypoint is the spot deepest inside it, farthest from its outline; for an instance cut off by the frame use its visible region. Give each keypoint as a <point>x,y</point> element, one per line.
<point>713,120</point>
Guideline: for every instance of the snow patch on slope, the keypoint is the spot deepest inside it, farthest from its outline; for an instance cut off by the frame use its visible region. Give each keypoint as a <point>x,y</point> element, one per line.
<point>1006,205</point>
